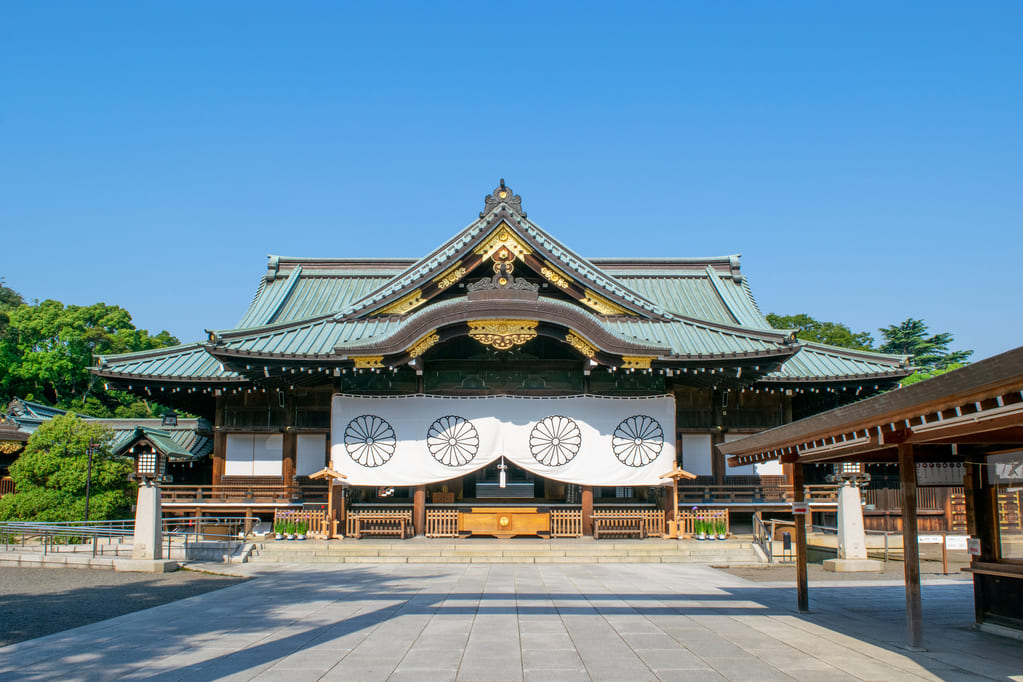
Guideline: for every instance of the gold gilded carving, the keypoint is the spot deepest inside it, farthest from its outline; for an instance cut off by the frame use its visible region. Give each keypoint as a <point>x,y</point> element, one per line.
<point>580,344</point>
<point>555,276</point>
<point>503,238</point>
<point>450,276</point>
<point>9,447</point>
<point>368,361</point>
<point>503,334</point>
<point>602,305</point>
<point>424,344</point>
<point>636,362</point>
<point>404,304</point>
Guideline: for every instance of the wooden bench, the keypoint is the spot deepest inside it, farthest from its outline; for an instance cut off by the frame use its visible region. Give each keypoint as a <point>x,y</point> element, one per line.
<point>381,523</point>
<point>620,524</point>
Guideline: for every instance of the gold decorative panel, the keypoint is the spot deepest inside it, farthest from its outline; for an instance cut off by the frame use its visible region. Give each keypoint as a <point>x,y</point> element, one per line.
<point>503,238</point>
<point>555,276</point>
<point>424,344</point>
<point>404,304</point>
<point>580,344</point>
<point>450,276</point>
<point>602,305</point>
<point>368,361</point>
<point>503,334</point>
<point>636,362</point>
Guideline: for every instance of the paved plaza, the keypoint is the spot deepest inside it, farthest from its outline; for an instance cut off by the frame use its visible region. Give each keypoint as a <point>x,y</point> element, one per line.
<point>556,622</point>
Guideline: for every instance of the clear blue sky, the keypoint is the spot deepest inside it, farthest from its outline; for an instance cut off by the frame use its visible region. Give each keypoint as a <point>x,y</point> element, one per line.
<point>866,158</point>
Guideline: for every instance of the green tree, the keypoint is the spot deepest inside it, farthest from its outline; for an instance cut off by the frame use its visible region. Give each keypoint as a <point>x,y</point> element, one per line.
<point>50,476</point>
<point>833,333</point>
<point>929,353</point>
<point>48,349</point>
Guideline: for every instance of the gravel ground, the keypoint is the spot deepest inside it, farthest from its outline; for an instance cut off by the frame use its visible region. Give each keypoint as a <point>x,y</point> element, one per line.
<point>40,601</point>
<point>893,570</point>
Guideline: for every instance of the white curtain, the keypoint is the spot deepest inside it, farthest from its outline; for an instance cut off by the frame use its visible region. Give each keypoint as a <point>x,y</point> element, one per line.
<point>586,440</point>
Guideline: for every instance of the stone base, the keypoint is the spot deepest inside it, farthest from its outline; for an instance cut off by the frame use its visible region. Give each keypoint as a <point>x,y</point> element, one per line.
<point>853,566</point>
<point>145,566</point>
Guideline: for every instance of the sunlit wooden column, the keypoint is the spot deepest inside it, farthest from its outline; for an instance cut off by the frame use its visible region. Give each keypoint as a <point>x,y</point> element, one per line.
<point>798,496</point>
<point>910,546</point>
<point>419,510</point>
<point>587,503</point>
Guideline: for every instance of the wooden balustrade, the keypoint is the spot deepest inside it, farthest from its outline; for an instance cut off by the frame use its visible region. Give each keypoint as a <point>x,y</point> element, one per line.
<point>441,522</point>
<point>687,519</point>
<point>318,520</point>
<point>566,523</point>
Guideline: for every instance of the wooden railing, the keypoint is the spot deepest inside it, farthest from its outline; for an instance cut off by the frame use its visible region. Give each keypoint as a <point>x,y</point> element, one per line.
<point>687,519</point>
<point>318,520</point>
<point>566,523</point>
<point>357,517</point>
<point>652,519</point>
<point>758,494</point>
<point>441,522</point>
<point>246,493</point>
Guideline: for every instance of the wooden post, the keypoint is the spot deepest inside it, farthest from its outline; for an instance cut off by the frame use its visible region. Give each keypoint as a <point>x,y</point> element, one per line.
<point>802,585</point>
<point>910,546</point>
<point>587,501</point>
<point>419,510</point>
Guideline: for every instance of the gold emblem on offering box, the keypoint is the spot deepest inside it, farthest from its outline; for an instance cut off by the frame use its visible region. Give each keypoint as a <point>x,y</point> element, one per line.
<point>503,334</point>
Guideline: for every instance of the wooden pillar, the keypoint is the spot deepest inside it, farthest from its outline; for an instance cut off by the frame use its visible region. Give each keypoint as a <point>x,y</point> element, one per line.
<point>290,455</point>
<point>802,585</point>
<point>910,546</point>
<point>419,510</point>
<point>587,501</point>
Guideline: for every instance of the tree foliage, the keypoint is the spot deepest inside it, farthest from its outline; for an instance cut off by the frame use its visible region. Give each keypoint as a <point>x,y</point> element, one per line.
<point>928,352</point>
<point>50,475</point>
<point>833,333</point>
<point>47,348</point>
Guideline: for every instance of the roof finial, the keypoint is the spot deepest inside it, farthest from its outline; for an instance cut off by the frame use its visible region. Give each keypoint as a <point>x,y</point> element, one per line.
<point>503,195</point>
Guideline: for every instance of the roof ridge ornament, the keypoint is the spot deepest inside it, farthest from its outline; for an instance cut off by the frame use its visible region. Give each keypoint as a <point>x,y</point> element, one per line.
<point>502,195</point>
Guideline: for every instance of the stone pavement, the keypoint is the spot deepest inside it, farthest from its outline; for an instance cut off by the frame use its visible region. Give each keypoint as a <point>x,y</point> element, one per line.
<point>524,622</point>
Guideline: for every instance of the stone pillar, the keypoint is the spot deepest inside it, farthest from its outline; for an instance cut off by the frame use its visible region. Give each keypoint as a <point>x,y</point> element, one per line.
<point>852,540</point>
<point>148,523</point>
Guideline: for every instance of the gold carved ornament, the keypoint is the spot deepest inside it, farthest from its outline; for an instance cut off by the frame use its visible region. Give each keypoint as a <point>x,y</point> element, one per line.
<point>404,304</point>
<point>503,334</point>
<point>503,238</point>
<point>368,361</point>
<point>580,344</point>
<point>636,362</point>
<point>424,344</point>
<point>450,276</point>
<point>555,276</point>
<point>602,305</point>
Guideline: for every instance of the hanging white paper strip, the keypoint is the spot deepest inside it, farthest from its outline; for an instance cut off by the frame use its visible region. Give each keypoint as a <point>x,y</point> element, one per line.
<point>586,440</point>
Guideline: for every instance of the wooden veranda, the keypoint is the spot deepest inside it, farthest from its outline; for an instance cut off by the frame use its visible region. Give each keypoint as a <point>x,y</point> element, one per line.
<point>973,418</point>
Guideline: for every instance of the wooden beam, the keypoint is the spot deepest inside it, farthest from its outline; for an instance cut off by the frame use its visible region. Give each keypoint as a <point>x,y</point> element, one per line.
<point>910,546</point>
<point>802,585</point>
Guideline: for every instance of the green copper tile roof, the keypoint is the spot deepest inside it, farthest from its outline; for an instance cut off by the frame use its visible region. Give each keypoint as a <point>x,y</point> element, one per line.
<point>820,362</point>
<point>188,361</point>
<point>180,443</point>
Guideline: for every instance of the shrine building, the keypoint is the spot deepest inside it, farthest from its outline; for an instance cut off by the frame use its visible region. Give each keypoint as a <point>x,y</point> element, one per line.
<point>501,371</point>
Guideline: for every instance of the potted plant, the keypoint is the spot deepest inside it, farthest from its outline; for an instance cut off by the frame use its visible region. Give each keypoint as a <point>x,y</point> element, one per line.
<point>301,528</point>
<point>279,530</point>
<point>290,530</point>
